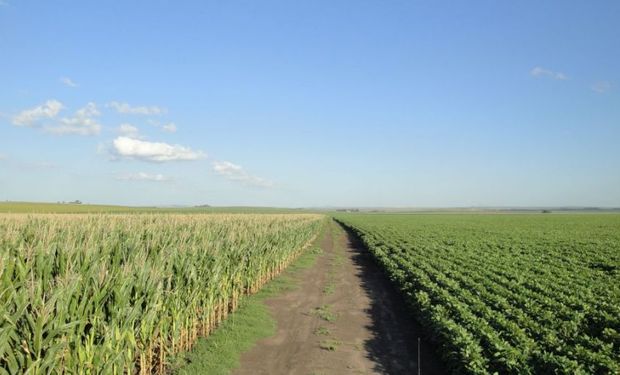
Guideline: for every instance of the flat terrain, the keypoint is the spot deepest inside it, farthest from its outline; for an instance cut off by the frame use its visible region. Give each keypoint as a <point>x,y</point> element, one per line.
<point>73,208</point>
<point>344,318</point>
<point>507,294</point>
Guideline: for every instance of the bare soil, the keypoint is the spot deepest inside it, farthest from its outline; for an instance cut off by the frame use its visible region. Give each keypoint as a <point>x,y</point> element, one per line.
<point>343,318</point>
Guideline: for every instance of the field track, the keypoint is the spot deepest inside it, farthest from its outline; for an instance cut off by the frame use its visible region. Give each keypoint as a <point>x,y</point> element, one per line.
<point>344,318</point>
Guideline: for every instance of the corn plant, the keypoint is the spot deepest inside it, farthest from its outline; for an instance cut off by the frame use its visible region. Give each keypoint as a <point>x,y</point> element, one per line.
<point>114,294</point>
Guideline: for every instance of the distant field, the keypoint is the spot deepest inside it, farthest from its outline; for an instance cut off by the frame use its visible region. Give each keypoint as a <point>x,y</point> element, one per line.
<point>29,207</point>
<point>126,289</point>
<point>511,294</point>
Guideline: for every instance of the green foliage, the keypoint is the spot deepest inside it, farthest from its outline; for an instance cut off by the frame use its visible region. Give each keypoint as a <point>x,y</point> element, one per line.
<point>330,345</point>
<point>324,312</point>
<point>322,331</point>
<point>512,294</point>
<point>220,352</point>
<point>125,293</point>
<point>329,289</point>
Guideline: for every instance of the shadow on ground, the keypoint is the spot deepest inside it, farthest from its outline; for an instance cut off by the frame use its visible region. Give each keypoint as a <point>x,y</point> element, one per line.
<point>394,347</point>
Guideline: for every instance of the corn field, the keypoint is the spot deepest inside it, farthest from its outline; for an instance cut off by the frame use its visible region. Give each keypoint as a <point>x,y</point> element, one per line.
<point>121,294</point>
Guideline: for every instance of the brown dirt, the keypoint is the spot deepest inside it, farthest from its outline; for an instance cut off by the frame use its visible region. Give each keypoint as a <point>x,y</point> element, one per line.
<point>344,318</point>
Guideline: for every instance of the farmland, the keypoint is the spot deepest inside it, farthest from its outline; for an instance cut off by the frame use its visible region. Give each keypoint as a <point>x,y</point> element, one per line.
<point>123,293</point>
<point>507,293</point>
<point>72,208</point>
<point>133,291</point>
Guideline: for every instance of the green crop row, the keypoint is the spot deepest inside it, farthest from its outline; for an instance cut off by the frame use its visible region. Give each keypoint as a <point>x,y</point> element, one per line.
<point>115,294</point>
<point>507,294</point>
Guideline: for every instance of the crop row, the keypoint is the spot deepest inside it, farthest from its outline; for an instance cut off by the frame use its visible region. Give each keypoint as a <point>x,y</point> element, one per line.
<point>508,294</point>
<point>124,293</point>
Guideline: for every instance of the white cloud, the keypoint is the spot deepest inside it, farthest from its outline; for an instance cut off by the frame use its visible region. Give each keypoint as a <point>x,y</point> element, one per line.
<point>141,110</point>
<point>143,176</point>
<point>68,82</point>
<point>88,111</point>
<point>82,122</point>
<point>153,151</point>
<point>170,127</point>
<point>236,172</point>
<point>30,117</point>
<point>130,131</point>
<point>2,157</point>
<point>542,72</point>
<point>601,87</point>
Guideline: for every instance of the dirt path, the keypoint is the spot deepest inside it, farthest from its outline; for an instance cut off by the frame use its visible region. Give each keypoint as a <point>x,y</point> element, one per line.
<point>344,318</point>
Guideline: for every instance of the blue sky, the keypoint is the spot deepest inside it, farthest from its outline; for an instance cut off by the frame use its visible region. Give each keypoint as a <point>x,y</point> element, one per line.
<point>317,103</point>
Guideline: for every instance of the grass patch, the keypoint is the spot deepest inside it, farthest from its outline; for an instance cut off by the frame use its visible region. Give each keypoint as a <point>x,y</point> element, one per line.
<point>221,351</point>
<point>330,345</point>
<point>306,260</point>
<point>329,289</point>
<point>325,313</point>
<point>322,331</point>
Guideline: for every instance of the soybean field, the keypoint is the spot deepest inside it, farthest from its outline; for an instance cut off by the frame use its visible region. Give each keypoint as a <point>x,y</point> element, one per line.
<point>507,294</point>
